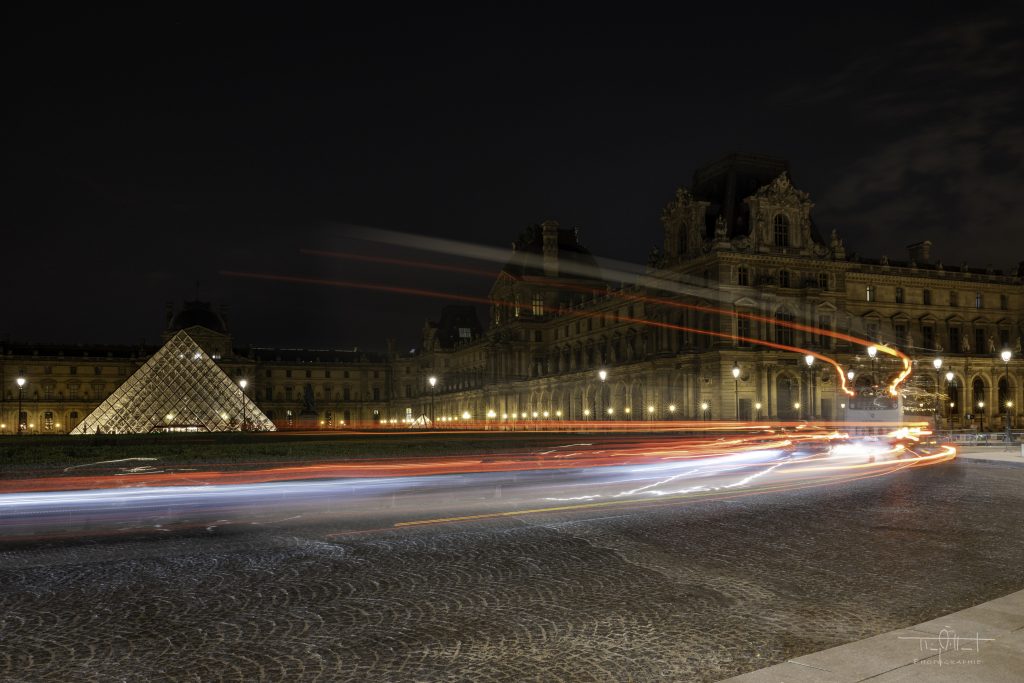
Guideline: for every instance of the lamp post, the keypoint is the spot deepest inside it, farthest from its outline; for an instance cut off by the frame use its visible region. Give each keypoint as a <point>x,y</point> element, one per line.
<point>757,407</point>
<point>872,352</point>
<point>937,363</point>
<point>243,383</point>
<point>796,407</point>
<point>21,387</point>
<point>704,411</point>
<point>602,375</point>
<point>981,416</point>
<point>736,384</point>
<point>809,359</point>
<point>432,381</point>
<point>949,381</point>
<point>1007,404</point>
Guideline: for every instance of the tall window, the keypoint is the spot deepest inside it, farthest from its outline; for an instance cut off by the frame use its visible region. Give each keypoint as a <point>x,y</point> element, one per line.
<point>979,340</point>
<point>743,330</point>
<point>538,305</point>
<point>783,334</point>
<point>899,295</point>
<point>900,331</point>
<point>825,325</point>
<point>929,337</point>
<point>979,300</point>
<point>822,280</point>
<point>1004,302</point>
<point>743,276</point>
<point>953,300</point>
<point>781,225</point>
<point>926,297</point>
<point>869,292</point>
<point>954,339</point>
<point>784,280</point>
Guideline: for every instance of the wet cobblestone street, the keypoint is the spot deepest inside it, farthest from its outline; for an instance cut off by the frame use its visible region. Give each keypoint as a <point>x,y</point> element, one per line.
<point>700,591</point>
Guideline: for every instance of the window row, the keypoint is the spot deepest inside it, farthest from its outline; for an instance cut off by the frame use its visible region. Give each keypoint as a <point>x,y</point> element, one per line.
<point>871,296</point>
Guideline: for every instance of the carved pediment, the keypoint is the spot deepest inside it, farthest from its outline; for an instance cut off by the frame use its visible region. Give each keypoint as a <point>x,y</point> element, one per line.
<point>781,191</point>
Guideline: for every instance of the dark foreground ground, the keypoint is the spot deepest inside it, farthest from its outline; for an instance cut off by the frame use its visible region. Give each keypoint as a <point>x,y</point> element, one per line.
<point>684,592</point>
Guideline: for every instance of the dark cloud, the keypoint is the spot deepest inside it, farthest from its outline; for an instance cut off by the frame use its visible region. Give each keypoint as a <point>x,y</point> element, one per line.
<point>941,117</point>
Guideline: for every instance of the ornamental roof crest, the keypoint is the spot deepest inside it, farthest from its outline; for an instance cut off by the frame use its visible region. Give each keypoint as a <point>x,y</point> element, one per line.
<point>781,190</point>
<point>683,198</point>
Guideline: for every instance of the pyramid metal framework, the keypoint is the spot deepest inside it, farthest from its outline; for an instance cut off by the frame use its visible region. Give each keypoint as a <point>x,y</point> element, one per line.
<point>180,388</point>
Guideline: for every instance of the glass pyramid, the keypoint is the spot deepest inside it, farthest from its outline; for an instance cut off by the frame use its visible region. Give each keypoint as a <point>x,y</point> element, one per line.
<point>179,389</point>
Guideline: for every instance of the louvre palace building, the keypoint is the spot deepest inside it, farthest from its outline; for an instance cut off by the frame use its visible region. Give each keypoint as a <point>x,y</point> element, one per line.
<point>566,340</point>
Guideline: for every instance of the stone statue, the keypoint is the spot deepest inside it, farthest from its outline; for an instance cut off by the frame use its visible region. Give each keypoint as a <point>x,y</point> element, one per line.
<point>1018,346</point>
<point>910,339</point>
<point>884,260</point>
<point>965,344</point>
<point>721,230</point>
<point>991,344</point>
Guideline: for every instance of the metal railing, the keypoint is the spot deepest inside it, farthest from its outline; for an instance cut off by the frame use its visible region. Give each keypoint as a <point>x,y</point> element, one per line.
<point>974,437</point>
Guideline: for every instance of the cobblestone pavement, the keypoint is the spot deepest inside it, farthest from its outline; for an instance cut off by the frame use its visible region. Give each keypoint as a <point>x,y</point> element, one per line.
<point>683,592</point>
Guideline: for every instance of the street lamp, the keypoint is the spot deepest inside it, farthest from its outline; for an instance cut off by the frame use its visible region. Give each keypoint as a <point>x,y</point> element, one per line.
<point>21,388</point>
<point>949,381</point>
<point>1006,356</point>
<point>796,407</point>
<point>243,383</point>
<point>432,381</point>
<point>937,363</point>
<point>981,415</point>
<point>704,410</point>
<point>809,359</point>
<point>872,352</point>
<point>736,384</point>
<point>757,407</point>
<point>602,375</point>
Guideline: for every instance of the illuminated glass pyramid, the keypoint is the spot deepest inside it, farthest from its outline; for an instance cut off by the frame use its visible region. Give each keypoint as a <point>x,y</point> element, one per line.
<point>179,389</point>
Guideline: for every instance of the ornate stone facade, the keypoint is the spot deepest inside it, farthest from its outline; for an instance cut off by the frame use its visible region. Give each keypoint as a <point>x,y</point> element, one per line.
<point>742,239</point>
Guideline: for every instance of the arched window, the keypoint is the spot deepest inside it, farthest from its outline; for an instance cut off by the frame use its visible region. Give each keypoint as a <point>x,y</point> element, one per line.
<point>781,225</point>
<point>978,391</point>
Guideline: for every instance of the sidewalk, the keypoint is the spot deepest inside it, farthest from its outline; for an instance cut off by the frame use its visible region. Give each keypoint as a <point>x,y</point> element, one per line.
<point>981,643</point>
<point>992,454</point>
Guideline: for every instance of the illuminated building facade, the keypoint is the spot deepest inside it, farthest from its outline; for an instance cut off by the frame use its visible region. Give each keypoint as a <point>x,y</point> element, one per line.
<point>741,238</point>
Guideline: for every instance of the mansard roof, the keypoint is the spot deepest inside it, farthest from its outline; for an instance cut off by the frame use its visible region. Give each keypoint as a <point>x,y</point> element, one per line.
<point>528,249</point>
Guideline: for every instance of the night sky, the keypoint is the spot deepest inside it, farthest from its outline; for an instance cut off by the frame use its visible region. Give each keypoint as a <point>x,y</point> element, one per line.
<point>149,150</point>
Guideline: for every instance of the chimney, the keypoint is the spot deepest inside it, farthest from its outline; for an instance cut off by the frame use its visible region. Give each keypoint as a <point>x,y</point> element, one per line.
<point>920,252</point>
<point>550,232</point>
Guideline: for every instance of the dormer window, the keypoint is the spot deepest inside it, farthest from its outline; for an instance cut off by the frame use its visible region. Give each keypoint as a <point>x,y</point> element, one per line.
<point>781,225</point>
